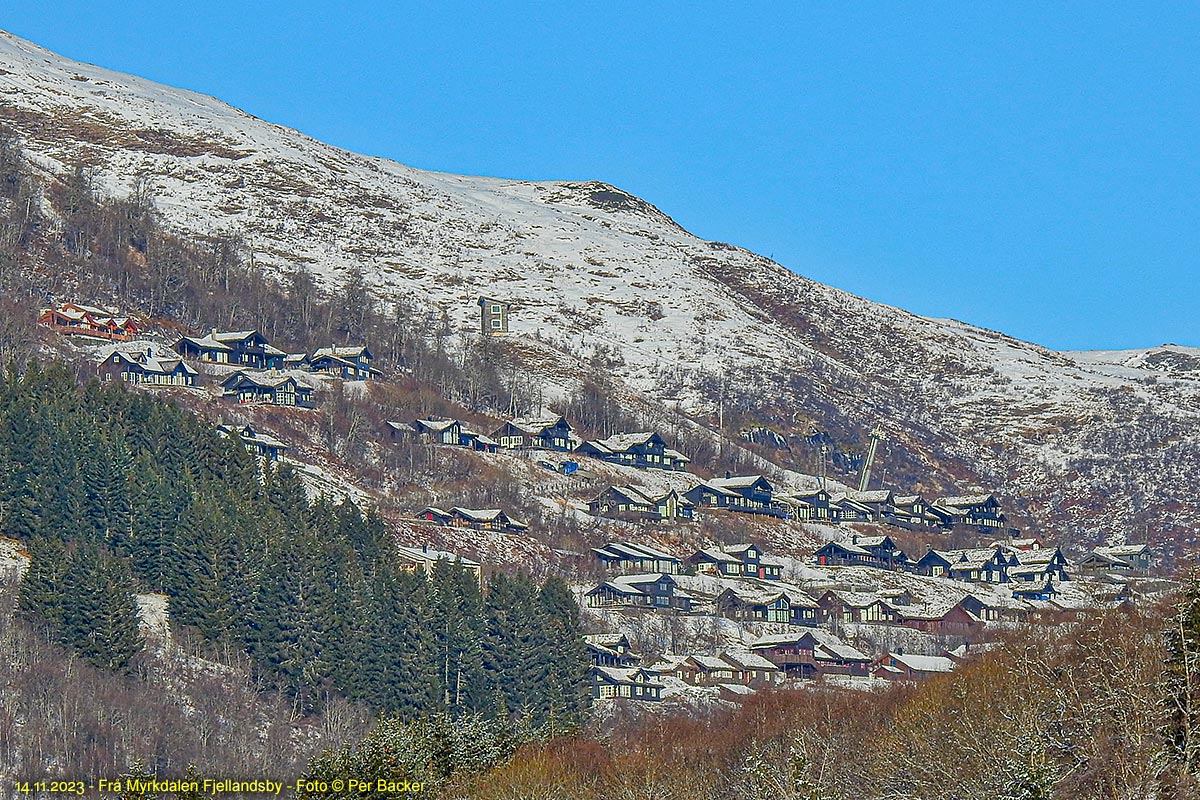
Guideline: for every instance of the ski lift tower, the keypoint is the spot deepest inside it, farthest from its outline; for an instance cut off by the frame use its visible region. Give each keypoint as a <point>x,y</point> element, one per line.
<point>865,478</point>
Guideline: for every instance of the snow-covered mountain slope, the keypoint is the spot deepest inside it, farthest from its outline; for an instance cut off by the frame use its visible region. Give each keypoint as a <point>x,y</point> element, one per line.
<point>1083,445</point>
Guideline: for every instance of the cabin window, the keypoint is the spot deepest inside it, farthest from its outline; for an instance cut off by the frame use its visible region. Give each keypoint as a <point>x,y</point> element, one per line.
<point>495,323</point>
<point>495,309</point>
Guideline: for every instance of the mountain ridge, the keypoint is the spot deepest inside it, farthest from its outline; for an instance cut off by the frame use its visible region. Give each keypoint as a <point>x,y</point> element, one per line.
<point>1078,443</point>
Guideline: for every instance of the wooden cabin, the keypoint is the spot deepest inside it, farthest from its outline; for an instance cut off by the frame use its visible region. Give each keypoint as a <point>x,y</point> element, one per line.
<point>641,450</point>
<point>246,348</point>
<point>632,504</point>
<point>900,666</point>
<point>657,591</point>
<point>610,650</point>
<point>424,559</point>
<point>75,319</point>
<point>750,494</point>
<point>978,511</point>
<point>628,684</point>
<point>549,433</point>
<point>147,367</point>
<point>350,363</point>
<point>256,442</point>
<point>630,557</point>
<point>257,387</point>
<point>1129,558</point>
<point>811,653</point>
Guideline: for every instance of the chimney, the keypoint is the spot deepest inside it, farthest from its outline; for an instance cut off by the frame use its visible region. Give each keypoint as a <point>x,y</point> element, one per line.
<point>425,548</point>
<point>854,539</point>
<point>213,333</point>
<point>728,474</point>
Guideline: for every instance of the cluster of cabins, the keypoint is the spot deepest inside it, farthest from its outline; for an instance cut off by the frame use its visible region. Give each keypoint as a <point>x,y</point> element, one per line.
<point>1018,561</point>
<point>266,374</point>
<point>755,494</point>
<point>750,494</point>
<point>749,587</point>
<point>646,450</point>
<point>484,519</point>
<point>741,582</point>
<point>769,661</point>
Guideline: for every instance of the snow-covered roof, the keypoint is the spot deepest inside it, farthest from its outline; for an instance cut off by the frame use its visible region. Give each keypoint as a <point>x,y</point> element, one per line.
<point>874,496</point>
<point>205,343</point>
<point>620,442</point>
<point>348,351</point>
<point>534,425</point>
<point>925,663</point>
<point>964,501</point>
<point>627,675</point>
<point>736,481</point>
<point>424,555</point>
<point>249,435</point>
<point>631,551</point>
<point>749,660</point>
<point>154,362</point>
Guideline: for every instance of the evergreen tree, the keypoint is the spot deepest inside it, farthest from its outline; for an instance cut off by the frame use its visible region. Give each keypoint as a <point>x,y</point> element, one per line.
<point>100,616</point>
<point>570,666</point>
<point>41,594</point>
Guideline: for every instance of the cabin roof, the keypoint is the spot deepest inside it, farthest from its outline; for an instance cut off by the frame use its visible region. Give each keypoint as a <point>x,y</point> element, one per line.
<point>423,555</point>
<point>963,501</point>
<point>924,663</point>
<point>631,551</point>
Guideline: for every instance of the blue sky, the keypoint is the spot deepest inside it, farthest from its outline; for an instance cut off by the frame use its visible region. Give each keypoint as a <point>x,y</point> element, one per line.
<point>1027,167</point>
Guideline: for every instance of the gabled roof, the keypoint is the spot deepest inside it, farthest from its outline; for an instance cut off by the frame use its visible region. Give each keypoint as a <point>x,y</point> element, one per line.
<point>234,336</point>
<point>265,380</point>
<point>634,585</point>
<point>348,351</point>
<point>874,496</point>
<point>821,639</point>
<point>437,425</point>
<point>628,551</point>
<point>854,599</point>
<point>710,663</point>
<point>873,541</point>
<point>250,436</point>
<point>153,362</point>
<point>204,343</point>
<point>714,554</point>
<point>1043,555</point>
<point>737,481</point>
<point>748,660</point>
<point>611,641</point>
<point>486,515</point>
<point>535,426</point>
<point>924,663</point>
<point>963,501</point>
<point>619,443</point>
<point>428,554</point>
<point>1124,550</point>
<point>845,547</point>
<point>630,676</point>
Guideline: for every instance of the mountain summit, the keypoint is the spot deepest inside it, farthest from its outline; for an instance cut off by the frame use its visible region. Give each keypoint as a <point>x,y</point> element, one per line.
<point>1087,446</point>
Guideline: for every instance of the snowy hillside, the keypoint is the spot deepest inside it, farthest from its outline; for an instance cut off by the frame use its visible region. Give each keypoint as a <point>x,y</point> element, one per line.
<point>1088,446</point>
